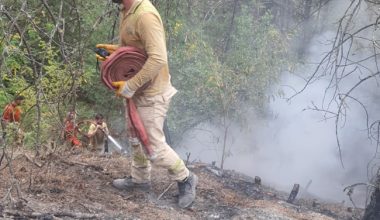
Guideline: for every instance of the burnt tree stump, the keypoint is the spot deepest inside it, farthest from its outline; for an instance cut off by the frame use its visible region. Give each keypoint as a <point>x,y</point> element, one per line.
<point>293,193</point>
<point>372,211</point>
<point>257,181</point>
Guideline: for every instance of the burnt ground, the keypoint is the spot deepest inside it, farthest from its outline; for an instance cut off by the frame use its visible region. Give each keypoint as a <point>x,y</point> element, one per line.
<point>77,185</point>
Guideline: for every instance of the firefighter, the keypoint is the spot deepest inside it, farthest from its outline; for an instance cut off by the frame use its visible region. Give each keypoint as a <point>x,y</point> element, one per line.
<point>141,26</point>
<point>12,115</point>
<point>70,131</point>
<point>97,134</point>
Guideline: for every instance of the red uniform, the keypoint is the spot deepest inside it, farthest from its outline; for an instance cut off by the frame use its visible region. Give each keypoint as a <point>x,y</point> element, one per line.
<point>12,113</point>
<point>71,133</point>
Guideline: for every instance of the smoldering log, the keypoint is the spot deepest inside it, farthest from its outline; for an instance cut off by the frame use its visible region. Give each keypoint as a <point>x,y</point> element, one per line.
<point>293,193</point>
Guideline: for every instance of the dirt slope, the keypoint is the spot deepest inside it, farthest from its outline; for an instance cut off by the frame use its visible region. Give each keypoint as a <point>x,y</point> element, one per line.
<point>69,185</point>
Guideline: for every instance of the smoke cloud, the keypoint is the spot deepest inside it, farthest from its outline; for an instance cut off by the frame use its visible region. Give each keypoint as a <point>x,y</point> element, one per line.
<point>297,145</point>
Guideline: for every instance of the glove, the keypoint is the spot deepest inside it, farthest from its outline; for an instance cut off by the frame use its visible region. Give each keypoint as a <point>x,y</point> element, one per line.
<point>99,127</point>
<point>122,89</point>
<point>110,48</point>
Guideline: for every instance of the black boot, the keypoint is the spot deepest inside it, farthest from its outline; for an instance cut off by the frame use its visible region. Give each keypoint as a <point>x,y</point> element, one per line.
<point>187,191</point>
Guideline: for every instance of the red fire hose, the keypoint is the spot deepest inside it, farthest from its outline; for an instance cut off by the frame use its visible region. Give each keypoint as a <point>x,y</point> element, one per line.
<point>122,65</point>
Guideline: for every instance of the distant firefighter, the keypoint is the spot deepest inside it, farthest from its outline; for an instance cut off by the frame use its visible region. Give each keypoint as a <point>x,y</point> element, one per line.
<point>70,132</point>
<point>97,134</point>
<point>12,115</point>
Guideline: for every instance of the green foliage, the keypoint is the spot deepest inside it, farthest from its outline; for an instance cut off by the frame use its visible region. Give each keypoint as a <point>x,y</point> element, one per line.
<point>40,66</point>
<point>191,65</point>
<point>223,55</point>
<point>13,134</point>
<point>224,64</point>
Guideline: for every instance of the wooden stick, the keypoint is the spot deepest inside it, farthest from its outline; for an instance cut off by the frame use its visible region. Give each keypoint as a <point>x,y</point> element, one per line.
<point>167,189</point>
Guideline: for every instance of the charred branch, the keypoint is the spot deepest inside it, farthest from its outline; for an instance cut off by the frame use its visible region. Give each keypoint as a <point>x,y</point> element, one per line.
<point>293,194</point>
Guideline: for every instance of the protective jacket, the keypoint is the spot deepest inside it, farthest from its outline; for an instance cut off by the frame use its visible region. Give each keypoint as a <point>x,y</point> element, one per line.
<point>12,113</point>
<point>141,26</point>
<point>71,133</point>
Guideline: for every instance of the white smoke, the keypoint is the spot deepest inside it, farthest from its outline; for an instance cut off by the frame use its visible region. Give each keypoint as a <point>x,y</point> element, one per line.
<point>298,145</point>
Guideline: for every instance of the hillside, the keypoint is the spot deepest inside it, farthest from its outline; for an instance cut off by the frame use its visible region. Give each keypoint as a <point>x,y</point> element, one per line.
<point>76,185</point>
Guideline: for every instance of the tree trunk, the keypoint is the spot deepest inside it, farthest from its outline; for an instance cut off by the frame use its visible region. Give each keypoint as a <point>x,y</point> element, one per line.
<point>230,28</point>
<point>306,30</point>
<point>224,146</point>
<point>372,211</point>
<point>38,114</point>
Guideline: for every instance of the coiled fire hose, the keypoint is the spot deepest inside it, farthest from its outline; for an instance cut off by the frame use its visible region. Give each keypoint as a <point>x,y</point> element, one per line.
<point>122,65</point>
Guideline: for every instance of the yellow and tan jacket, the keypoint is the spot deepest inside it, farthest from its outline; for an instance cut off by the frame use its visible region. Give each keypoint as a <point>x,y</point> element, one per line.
<point>141,26</point>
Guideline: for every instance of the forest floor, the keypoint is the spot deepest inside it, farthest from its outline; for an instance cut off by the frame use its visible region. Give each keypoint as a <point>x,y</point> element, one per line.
<point>77,185</point>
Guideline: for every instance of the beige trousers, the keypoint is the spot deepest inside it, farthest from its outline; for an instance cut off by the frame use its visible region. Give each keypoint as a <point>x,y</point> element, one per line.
<point>97,141</point>
<point>152,111</point>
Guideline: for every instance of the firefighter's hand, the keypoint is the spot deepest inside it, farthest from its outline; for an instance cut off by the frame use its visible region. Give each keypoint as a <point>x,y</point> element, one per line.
<point>122,89</point>
<point>110,48</point>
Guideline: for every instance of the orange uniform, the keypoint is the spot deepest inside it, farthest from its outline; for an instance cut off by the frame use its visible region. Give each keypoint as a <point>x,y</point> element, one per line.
<point>12,113</point>
<point>71,133</point>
